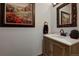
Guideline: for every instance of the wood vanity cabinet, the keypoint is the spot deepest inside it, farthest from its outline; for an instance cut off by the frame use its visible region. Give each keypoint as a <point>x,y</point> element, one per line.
<point>55,48</point>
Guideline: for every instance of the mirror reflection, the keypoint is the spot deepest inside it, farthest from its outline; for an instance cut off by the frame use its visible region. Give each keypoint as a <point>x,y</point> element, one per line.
<point>65,15</point>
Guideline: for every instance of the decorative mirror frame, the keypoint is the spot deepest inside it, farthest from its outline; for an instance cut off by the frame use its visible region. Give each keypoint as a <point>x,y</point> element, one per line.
<point>73,16</point>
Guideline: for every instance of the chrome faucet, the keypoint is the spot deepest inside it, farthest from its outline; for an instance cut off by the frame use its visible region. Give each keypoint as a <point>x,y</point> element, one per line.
<point>62,32</point>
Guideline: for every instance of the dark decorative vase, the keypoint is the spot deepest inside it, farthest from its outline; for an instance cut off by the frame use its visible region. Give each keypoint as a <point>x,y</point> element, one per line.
<point>74,34</point>
<point>45,28</point>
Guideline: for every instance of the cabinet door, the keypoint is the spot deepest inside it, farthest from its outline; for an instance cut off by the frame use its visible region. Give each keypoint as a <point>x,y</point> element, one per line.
<point>58,49</point>
<point>54,48</point>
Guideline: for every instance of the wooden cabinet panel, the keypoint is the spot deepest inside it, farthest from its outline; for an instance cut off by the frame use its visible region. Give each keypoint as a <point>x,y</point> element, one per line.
<point>58,50</point>
<point>55,48</point>
<point>52,48</point>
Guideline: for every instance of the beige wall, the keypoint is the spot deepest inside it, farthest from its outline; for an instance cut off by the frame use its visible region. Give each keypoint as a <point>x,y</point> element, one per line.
<point>25,41</point>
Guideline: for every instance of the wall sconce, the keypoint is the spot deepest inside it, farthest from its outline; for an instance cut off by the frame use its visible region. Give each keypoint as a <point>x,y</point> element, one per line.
<point>54,4</point>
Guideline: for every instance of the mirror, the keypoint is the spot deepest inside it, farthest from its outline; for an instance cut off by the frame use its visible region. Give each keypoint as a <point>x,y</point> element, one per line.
<point>67,15</point>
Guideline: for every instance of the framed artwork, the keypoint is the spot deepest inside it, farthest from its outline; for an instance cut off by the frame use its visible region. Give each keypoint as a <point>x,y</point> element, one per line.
<point>18,15</point>
<point>65,18</point>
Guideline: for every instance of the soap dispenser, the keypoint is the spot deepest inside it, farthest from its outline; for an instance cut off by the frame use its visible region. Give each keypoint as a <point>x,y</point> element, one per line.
<point>45,28</point>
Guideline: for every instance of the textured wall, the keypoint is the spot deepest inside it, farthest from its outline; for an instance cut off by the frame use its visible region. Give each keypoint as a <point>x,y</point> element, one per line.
<point>26,41</point>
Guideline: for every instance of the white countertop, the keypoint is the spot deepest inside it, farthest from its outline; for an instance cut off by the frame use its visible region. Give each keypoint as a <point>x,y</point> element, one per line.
<point>66,40</point>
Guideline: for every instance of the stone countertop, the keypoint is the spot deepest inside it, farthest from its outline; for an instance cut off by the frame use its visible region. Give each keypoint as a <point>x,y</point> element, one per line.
<point>63,39</point>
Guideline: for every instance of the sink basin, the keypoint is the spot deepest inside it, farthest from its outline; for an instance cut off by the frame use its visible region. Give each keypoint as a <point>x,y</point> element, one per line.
<point>57,35</point>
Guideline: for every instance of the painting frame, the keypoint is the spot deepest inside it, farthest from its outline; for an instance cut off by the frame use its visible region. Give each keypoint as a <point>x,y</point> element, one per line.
<point>65,18</point>
<point>19,24</point>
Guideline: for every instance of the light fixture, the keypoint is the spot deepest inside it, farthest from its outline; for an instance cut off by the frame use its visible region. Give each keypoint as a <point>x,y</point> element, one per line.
<point>54,4</point>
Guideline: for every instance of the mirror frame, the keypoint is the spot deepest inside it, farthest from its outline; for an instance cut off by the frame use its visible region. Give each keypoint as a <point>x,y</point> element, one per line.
<point>73,16</point>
